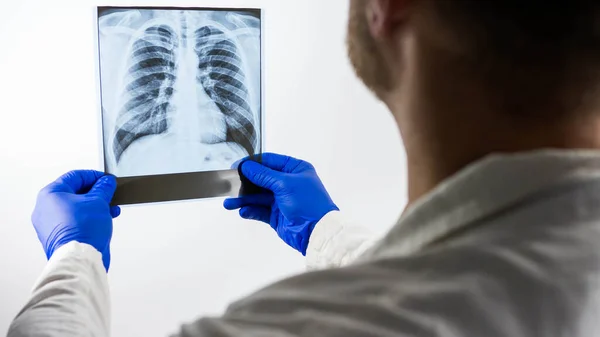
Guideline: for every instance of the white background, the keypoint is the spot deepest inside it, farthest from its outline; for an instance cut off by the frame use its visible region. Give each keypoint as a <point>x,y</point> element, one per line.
<point>174,262</point>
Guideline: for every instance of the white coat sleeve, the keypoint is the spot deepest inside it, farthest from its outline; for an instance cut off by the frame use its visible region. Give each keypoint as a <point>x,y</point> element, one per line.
<point>71,297</point>
<point>336,242</point>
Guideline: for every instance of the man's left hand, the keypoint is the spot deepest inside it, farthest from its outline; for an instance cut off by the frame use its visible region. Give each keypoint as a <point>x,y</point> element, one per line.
<point>76,207</point>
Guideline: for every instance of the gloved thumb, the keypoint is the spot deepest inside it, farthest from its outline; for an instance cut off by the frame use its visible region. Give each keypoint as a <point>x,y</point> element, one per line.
<point>261,175</point>
<point>104,188</point>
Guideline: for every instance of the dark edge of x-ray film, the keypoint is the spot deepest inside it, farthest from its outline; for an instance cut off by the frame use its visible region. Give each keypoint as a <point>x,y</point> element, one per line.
<point>186,185</point>
<point>103,10</point>
<point>176,187</point>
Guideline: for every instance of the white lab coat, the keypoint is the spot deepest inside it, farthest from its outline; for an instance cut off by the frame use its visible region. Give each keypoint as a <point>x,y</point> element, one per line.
<point>509,246</point>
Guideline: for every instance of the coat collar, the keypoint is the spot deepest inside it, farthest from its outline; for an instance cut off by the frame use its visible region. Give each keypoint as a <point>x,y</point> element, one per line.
<point>480,190</point>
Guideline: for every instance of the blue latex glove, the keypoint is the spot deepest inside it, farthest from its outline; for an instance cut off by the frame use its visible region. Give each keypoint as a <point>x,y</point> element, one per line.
<point>292,201</point>
<point>76,207</point>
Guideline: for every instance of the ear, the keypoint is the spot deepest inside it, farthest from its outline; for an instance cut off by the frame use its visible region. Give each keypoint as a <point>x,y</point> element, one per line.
<point>385,16</point>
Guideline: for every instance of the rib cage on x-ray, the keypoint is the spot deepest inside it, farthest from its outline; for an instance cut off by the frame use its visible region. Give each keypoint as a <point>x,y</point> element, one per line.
<point>146,106</point>
<point>222,77</point>
<point>152,75</point>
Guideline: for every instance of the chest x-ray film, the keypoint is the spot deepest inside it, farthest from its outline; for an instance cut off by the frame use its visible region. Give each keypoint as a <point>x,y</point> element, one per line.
<point>180,92</point>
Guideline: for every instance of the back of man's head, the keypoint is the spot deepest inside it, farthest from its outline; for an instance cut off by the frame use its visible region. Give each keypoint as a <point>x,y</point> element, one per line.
<point>465,78</point>
<point>527,52</point>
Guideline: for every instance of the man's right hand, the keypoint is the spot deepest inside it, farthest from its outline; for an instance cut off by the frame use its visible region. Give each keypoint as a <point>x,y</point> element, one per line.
<point>292,201</point>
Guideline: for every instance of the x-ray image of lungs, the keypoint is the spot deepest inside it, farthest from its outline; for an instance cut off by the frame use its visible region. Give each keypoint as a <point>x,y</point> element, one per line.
<point>180,89</point>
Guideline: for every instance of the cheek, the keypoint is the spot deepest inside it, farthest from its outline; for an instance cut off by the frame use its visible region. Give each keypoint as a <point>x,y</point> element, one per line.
<point>369,65</point>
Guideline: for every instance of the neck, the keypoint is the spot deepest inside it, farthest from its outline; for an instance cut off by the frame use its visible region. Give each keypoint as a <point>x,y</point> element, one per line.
<point>447,122</point>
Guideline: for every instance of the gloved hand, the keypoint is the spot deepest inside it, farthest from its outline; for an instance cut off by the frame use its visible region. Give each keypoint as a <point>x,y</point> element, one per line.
<point>293,198</point>
<point>76,207</point>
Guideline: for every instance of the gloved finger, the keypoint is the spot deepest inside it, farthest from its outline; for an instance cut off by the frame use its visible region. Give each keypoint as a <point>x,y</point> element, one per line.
<point>237,163</point>
<point>276,161</point>
<point>261,175</point>
<point>106,258</point>
<point>104,188</point>
<point>262,199</point>
<point>77,181</point>
<point>115,211</point>
<point>258,213</point>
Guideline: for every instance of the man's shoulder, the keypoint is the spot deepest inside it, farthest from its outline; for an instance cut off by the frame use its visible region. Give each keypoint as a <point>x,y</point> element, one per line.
<point>529,270</point>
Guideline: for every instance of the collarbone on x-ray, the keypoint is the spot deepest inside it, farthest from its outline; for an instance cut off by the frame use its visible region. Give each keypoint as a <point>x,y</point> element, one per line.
<point>188,94</point>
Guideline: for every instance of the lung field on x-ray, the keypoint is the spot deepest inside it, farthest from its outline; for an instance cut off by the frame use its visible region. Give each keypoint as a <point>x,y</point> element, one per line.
<point>147,97</point>
<point>223,79</point>
<point>188,95</point>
